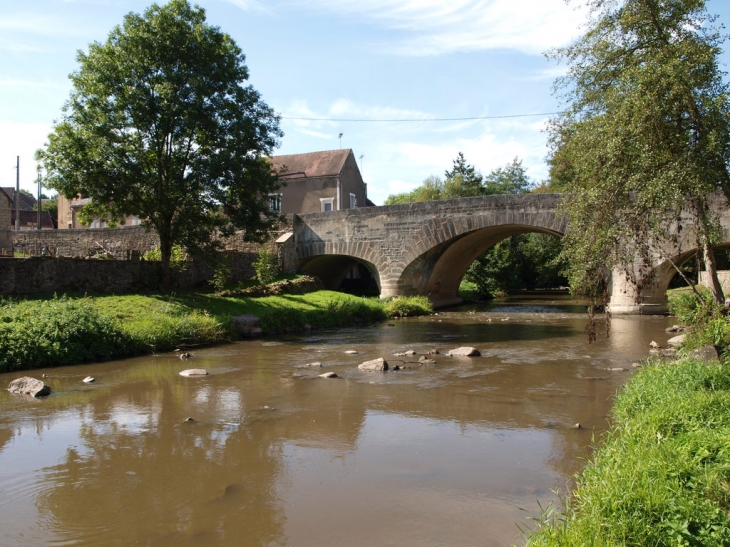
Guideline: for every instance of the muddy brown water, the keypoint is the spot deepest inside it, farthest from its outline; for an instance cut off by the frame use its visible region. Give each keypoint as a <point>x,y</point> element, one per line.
<point>456,453</point>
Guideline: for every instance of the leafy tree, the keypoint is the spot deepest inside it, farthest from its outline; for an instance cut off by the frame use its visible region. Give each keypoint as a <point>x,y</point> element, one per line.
<point>510,179</point>
<point>160,125</point>
<point>431,189</point>
<point>463,179</point>
<point>645,135</point>
<point>50,205</point>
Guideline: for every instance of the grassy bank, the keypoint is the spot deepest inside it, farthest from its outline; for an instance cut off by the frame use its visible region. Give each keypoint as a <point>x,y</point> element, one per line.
<point>661,475</point>
<point>71,330</point>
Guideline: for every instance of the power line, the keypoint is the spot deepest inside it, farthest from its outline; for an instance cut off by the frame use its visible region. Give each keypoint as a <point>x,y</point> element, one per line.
<point>419,120</point>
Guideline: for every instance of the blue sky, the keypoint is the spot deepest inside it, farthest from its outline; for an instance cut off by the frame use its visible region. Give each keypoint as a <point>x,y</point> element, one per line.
<point>333,60</point>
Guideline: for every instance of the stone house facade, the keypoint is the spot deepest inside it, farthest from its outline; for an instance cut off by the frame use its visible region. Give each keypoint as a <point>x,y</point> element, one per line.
<point>312,183</point>
<point>68,210</point>
<point>6,237</point>
<point>319,181</point>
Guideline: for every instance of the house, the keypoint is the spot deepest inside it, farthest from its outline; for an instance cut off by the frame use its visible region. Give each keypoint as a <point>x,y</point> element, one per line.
<point>6,238</point>
<point>29,220</point>
<point>312,183</point>
<point>319,181</point>
<point>68,210</point>
<point>27,203</point>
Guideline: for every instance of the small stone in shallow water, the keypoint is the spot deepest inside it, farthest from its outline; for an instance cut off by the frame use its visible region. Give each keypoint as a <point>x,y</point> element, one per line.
<point>328,375</point>
<point>464,351</point>
<point>185,356</point>
<point>194,372</point>
<point>88,380</point>
<point>375,364</point>
<point>351,352</point>
<point>189,419</point>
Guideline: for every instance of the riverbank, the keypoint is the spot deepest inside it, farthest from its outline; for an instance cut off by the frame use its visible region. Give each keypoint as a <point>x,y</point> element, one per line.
<point>55,331</point>
<point>661,475</point>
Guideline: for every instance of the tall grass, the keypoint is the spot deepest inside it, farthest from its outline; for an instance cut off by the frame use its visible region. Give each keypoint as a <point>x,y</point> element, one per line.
<point>64,331</point>
<point>661,476</point>
<point>60,331</point>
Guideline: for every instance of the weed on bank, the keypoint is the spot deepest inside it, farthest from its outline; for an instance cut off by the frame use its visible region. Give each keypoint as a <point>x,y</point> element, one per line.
<point>66,330</point>
<point>661,475</point>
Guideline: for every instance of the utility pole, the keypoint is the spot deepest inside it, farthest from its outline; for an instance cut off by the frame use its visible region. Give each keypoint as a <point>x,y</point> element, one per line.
<point>16,197</point>
<point>38,203</point>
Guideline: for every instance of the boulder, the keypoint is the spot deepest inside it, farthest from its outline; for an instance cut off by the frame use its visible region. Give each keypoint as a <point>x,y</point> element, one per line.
<point>194,372</point>
<point>426,361</point>
<point>465,351</point>
<point>408,353</point>
<point>328,375</point>
<point>315,364</point>
<point>706,353</point>
<point>248,326</point>
<point>375,364</point>
<point>29,386</point>
<point>676,341</point>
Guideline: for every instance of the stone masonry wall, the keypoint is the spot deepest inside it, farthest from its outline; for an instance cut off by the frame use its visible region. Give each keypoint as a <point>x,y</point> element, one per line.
<point>71,269</point>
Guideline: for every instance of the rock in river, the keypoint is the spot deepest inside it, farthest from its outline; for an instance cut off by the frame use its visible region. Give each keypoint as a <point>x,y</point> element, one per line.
<point>677,341</point>
<point>328,375</point>
<point>465,351</point>
<point>29,386</point>
<point>375,364</point>
<point>194,372</point>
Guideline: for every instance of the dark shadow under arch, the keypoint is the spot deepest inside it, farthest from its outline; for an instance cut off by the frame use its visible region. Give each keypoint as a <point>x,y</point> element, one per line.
<point>344,273</point>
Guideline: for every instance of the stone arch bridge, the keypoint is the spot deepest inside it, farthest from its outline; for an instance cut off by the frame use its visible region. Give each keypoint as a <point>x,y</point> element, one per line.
<point>425,248</point>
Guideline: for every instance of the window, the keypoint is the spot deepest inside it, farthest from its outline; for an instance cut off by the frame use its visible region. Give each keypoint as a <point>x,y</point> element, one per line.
<point>353,201</point>
<point>275,203</point>
<point>327,204</point>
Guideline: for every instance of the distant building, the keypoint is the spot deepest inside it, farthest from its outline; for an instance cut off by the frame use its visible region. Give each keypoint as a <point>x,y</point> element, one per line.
<point>6,224</point>
<point>68,210</point>
<point>319,181</point>
<point>29,220</point>
<point>313,182</point>
<point>27,203</point>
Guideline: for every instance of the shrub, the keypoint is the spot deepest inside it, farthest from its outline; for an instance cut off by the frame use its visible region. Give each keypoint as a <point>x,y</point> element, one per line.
<point>266,266</point>
<point>408,306</point>
<point>56,332</point>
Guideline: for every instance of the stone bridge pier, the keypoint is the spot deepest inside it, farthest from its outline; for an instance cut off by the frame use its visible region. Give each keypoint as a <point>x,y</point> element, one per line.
<point>426,248</point>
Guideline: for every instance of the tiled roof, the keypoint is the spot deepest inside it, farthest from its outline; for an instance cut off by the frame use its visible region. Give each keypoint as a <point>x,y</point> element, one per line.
<point>313,164</point>
<point>30,218</point>
<point>27,203</point>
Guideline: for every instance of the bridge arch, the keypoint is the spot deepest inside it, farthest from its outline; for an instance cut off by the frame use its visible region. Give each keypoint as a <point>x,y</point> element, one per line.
<point>343,272</point>
<point>438,271</point>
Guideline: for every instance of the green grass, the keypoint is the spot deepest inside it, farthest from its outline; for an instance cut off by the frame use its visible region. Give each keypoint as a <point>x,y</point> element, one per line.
<point>70,330</point>
<point>661,475</point>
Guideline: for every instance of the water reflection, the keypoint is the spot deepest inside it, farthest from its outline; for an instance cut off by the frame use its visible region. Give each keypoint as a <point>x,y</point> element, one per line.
<point>434,454</point>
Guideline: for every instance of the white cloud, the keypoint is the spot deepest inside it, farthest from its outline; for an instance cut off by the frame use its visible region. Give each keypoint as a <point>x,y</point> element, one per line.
<point>20,139</point>
<point>250,5</point>
<point>435,27</point>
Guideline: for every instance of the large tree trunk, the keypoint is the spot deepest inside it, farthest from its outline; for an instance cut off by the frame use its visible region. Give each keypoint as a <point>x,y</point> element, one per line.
<point>708,257</point>
<point>166,255</point>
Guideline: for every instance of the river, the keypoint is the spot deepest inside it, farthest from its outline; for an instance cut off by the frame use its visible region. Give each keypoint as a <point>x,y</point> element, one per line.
<point>457,453</point>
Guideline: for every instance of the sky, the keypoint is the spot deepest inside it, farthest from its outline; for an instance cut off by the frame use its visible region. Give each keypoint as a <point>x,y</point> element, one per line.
<point>331,67</point>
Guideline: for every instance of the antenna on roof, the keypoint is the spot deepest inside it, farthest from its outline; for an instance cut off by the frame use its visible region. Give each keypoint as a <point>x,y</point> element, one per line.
<point>340,137</point>
<point>361,163</point>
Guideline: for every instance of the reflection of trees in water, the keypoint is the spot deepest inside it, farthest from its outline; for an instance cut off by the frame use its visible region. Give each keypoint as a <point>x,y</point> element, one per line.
<point>144,477</point>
